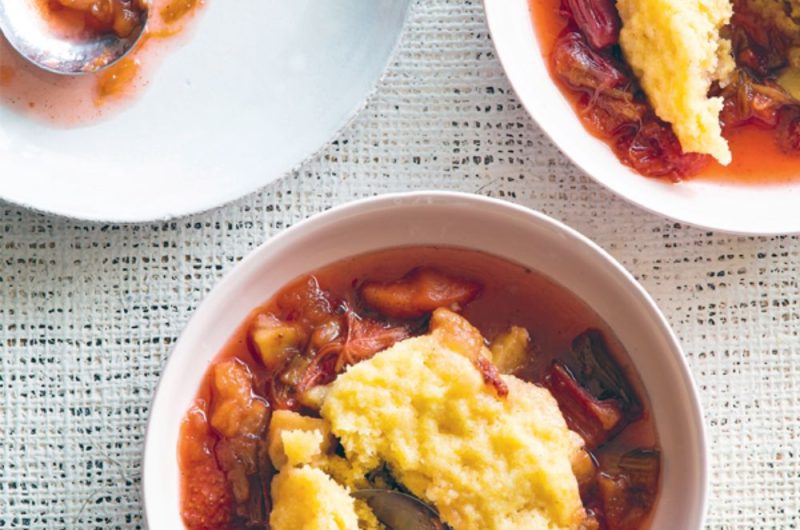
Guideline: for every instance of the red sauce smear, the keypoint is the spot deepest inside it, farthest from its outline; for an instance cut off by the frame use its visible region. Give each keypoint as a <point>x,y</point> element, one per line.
<point>757,158</point>
<point>69,101</point>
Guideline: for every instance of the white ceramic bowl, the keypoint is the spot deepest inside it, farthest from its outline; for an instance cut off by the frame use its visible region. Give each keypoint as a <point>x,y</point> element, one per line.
<point>255,90</point>
<point>433,218</point>
<point>729,208</point>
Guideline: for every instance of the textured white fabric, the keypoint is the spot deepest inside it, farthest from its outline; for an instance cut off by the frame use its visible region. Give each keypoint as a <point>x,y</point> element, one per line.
<point>89,313</point>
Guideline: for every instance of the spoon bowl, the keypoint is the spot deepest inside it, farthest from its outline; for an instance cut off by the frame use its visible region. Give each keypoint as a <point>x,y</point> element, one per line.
<point>400,511</point>
<point>31,34</point>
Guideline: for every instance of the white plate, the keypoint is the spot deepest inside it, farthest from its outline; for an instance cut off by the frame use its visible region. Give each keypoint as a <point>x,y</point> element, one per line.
<point>729,208</point>
<point>255,90</point>
<point>468,221</point>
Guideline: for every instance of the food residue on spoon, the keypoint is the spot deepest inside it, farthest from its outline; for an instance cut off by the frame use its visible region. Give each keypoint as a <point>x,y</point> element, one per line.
<point>77,100</point>
<point>80,18</point>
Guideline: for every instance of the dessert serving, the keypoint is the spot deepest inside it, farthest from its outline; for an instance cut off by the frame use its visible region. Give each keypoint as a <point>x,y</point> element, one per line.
<point>679,89</point>
<point>474,384</point>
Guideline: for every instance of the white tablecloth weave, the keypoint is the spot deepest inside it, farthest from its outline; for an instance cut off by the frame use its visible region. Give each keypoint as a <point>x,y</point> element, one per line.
<point>89,313</point>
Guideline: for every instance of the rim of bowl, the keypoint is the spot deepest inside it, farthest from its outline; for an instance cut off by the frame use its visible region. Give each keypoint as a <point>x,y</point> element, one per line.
<point>253,259</point>
<point>732,224</point>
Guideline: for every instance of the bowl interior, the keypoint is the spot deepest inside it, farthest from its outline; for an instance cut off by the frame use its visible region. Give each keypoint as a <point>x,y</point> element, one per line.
<point>465,221</point>
<point>731,208</point>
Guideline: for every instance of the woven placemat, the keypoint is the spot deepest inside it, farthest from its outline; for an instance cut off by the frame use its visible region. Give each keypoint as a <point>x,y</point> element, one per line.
<point>89,313</point>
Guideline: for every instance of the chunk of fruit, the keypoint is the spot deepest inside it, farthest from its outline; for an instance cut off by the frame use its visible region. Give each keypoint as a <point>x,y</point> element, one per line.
<point>326,332</point>
<point>757,43</point>
<point>366,337</point>
<point>287,421</point>
<point>582,68</point>
<point>322,369</point>
<point>275,341</point>
<point>235,410</point>
<point>456,333</point>
<point>746,100</point>
<point>595,421</point>
<point>612,111</point>
<point>510,349</point>
<point>598,20</point>
<point>240,417</point>
<point>629,495</point>
<point>419,292</point>
<point>584,467</point>
<point>239,457</point>
<point>601,375</point>
<point>307,303</point>
<point>120,16</point>
<point>314,397</point>
<point>789,131</point>
<point>653,150</point>
<point>640,139</point>
<point>206,497</point>
<point>248,472</point>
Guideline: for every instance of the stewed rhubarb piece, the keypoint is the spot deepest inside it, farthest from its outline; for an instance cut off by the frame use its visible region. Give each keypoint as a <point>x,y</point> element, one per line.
<point>582,68</point>
<point>601,375</point>
<point>628,495</point>
<point>592,419</point>
<point>597,19</point>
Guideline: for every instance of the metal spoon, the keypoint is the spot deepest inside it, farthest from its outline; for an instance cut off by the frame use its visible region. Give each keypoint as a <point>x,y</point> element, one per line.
<point>399,511</point>
<point>28,32</point>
